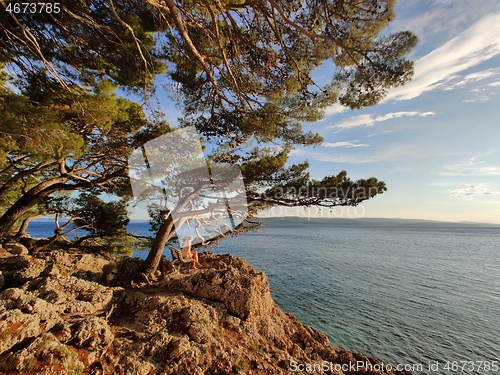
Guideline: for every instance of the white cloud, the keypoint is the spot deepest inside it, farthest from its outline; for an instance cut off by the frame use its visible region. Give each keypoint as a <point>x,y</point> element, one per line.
<point>370,119</point>
<point>379,133</point>
<point>469,191</point>
<point>344,144</point>
<point>424,24</point>
<point>352,122</point>
<point>392,115</point>
<point>475,45</point>
<point>474,77</point>
<point>440,17</point>
<point>297,152</point>
<point>388,154</point>
<point>334,109</point>
<point>479,96</point>
<point>471,167</point>
<point>494,84</point>
<point>345,158</point>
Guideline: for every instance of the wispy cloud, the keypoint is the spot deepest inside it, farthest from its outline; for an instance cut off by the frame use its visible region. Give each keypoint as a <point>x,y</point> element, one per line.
<point>469,191</point>
<point>470,167</point>
<point>370,119</point>
<point>334,109</point>
<point>392,153</point>
<point>379,133</point>
<point>479,95</point>
<point>392,115</point>
<point>475,45</point>
<point>481,92</point>
<point>424,24</point>
<point>345,158</point>
<point>352,122</point>
<point>427,21</point>
<point>345,144</point>
<point>474,77</point>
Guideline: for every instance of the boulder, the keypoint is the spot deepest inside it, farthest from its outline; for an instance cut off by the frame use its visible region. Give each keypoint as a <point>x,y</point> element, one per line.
<point>16,326</point>
<point>19,269</point>
<point>244,291</point>
<point>92,334</point>
<point>16,248</point>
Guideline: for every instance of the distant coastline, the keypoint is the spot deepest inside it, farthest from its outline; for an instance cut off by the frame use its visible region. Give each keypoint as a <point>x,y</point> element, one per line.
<point>374,221</point>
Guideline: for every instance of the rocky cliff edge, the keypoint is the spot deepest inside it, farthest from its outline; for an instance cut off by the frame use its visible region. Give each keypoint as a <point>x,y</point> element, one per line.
<point>73,313</point>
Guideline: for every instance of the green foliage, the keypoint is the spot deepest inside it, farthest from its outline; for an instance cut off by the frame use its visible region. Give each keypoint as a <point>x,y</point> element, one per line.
<point>263,165</point>
<point>3,74</point>
<point>156,215</point>
<point>29,127</point>
<point>99,217</point>
<point>105,221</point>
<point>87,40</point>
<point>56,141</point>
<point>240,366</point>
<point>245,69</point>
<point>242,72</point>
<point>293,187</point>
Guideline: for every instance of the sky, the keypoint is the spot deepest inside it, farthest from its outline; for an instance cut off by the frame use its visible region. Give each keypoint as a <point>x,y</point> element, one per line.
<point>436,140</point>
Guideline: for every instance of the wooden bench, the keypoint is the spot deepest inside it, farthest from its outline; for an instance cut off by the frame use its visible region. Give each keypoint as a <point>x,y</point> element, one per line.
<point>177,258</point>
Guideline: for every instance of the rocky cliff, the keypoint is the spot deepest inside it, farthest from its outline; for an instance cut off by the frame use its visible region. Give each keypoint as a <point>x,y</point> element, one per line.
<point>74,313</point>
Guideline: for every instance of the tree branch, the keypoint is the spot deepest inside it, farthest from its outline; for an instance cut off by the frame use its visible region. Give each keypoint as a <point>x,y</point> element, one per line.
<point>131,30</point>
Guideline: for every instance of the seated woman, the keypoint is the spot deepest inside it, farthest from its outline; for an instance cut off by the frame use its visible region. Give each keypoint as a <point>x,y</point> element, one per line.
<point>188,253</point>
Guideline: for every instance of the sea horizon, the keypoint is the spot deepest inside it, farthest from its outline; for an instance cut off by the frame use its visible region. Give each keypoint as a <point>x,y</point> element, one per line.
<point>338,219</point>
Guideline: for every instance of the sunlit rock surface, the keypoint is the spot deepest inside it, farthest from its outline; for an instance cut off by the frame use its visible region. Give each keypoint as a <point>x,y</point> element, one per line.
<point>74,313</point>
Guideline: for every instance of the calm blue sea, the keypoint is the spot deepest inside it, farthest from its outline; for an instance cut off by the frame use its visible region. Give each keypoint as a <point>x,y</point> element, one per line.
<point>405,292</point>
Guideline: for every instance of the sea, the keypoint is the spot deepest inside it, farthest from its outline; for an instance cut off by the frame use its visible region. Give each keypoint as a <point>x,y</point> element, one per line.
<point>418,295</point>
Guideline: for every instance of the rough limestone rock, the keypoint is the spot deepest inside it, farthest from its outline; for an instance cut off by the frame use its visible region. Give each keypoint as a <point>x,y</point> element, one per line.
<point>18,269</point>
<point>242,289</point>
<point>39,351</point>
<point>93,333</point>
<point>15,326</point>
<point>16,248</point>
<point>56,319</point>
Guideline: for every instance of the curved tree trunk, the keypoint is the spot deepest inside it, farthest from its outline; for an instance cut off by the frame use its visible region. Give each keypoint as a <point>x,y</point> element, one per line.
<point>27,201</point>
<point>43,190</point>
<point>152,262</point>
<point>10,217</point>
<point>22,230</point>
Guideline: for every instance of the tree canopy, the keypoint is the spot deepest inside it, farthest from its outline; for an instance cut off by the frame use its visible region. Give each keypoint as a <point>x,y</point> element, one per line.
<point>240,70</point>
<point>58,143</point>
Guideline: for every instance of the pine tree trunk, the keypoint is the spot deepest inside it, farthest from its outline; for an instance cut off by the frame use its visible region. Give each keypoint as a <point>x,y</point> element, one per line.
<point>165,233</point>
<point>27,201</point>
<point>10,217</point>
<point>24,226</point>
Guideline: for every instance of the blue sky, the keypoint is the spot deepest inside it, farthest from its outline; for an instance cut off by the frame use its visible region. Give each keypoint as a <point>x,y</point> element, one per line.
<point>434,141</point>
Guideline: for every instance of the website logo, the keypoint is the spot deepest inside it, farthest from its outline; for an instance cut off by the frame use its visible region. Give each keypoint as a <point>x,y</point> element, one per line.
<point>172,175</point>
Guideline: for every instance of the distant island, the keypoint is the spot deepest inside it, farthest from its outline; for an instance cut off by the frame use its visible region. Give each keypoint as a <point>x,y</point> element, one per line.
<point>374,221</point>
